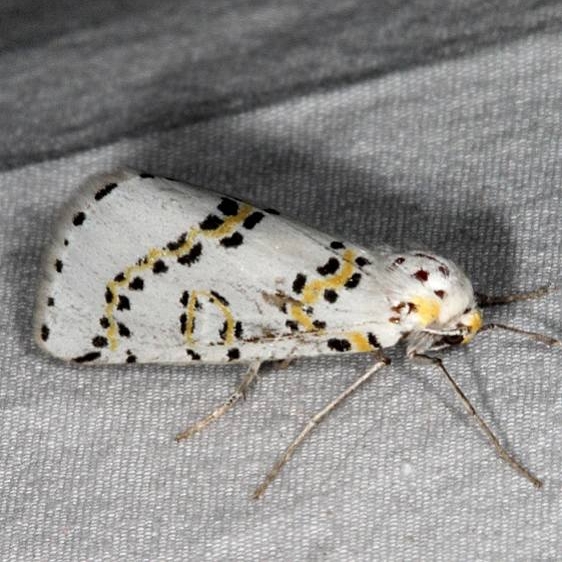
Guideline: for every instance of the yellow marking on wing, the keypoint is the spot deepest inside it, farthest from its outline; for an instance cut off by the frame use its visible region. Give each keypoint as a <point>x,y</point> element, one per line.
<point>154,254</point>
<point>427,309</point>
<point>230,223</point>
<point>191,314</point>
<point>474,323</point>
<point>301,317</point>
<point>311,291</point>
<point>359,342</point>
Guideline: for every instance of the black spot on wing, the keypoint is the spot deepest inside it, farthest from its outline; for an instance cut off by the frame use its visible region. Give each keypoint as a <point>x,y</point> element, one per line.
<point>220,298</point>
<point>223,330</point>
<point>124,332</point>
<point>292,325</point>
<point>373,340</point>
<point>337,245</point>
<point>353,281</point>
<point>211,222</point>
<point>319,324</point>
<point>184,299</point>
<point>99,341</point>
<point>233,354</point>
<point>50,301</point>
<point>108,295</point>
<point>339,344</point>
<point>232,241</point>
<point>331,266</point>
<point>58,266</point>
<point>131,358</point>
<point>123,303</point>
<point>194,356</point>
<point>92,356</point>
<point>252,220</point>
<point>145,175</point>
<point>137,284</point>
<point>176,244</point>
<point>299,283</point>
<point>361,261</point>
<point>79,218</point>
<point>106,190</point>
<point>45,332</point>
<point>192,256</point>
<point>119,277</point>
<point>330,295</point>
<point>104,322</point>
<point>238,330</point>
<point>159,267</point>
<point>228,207</point>
<point>183,323</point>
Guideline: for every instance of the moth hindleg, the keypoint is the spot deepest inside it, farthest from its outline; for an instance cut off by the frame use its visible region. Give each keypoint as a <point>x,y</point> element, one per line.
<point>382,361</point>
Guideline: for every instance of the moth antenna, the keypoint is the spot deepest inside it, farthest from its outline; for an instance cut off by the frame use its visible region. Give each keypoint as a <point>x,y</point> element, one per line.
<point>500,449</point>
<point>484,301</point>
<point>532,335</point>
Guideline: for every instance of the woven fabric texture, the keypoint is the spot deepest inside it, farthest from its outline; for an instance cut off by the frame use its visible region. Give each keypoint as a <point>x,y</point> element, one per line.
<point>454,147</point>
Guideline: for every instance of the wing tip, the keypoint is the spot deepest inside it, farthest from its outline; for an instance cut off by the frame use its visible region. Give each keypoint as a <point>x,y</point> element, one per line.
<point>91,189</point>
<point>99,180</point>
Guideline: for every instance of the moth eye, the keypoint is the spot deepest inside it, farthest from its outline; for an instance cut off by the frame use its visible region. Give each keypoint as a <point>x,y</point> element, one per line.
<point>453,340</point>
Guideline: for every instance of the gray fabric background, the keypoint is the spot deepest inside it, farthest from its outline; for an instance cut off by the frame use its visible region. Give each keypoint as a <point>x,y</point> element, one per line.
<point>420,123</point>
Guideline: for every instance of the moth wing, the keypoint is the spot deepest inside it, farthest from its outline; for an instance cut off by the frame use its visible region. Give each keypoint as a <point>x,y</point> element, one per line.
<point>152,270</point>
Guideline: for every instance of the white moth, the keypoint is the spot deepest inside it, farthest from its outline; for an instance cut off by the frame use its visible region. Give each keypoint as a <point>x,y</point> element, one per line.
<point>147,269</point>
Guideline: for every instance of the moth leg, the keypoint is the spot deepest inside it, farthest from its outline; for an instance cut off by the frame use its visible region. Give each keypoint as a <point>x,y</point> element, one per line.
<point>285,363</point>
<point>502,452</point>
<point>313,422</point>
<point>488,300</point>
<point>239,393</point>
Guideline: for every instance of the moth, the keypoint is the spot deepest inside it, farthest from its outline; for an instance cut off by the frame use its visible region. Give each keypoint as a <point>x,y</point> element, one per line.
<point>150,270</point>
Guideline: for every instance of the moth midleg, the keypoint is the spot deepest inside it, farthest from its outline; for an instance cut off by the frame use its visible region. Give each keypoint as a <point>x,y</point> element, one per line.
<point>240,392</point>
<point>313,422</point>
<point>500,449</point>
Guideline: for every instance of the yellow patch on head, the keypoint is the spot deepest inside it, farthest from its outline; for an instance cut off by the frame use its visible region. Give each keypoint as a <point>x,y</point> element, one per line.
<point>474,322</point>
<point>427,309</point>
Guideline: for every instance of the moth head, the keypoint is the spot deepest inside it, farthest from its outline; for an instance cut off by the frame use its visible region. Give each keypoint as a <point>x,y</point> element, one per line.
<point>458,330</point>
<point>440,308</point>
